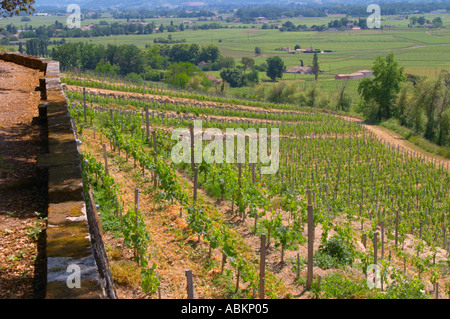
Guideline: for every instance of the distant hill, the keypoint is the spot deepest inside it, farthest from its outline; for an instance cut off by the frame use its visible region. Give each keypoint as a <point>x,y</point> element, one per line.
<point>124,4</point>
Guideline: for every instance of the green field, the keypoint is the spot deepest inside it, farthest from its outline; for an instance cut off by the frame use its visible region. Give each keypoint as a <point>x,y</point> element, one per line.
<point>421,51</point>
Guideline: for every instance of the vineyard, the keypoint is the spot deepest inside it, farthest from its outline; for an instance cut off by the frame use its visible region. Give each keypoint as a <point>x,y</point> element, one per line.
<point>341,200</point>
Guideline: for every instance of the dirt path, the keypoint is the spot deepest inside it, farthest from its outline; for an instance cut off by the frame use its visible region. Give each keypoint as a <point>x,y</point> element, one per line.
<point>397,141</point>
<point>22,193</point>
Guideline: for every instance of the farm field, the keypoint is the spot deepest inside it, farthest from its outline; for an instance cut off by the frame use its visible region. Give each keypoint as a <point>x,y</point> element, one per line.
<point>352,49</point>
<point>355,184</point>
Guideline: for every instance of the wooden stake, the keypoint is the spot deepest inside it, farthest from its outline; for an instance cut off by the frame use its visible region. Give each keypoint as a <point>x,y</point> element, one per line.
<point>105,156</point>
<point>147,122</point>
<point>84,105</point>
<point>382,240</point>
<point>375,248</point>
<point>396,229</point>
<point>195,185</point>
<point>309,277</point>
<point>191,130</point>
<point>190,284</point>
<point>436,290</point>
<point>262,267</point>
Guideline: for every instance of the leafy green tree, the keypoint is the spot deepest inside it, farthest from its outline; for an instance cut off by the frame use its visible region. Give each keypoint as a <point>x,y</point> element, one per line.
<point>179,73</point>
<point>15,7</point>
<point>437,22</point>
<point>106,68</point>
<point>247,62</point>
<point>130,59</point>
<point>233,77</point>
<point>153,57</point>
<point>315,66</point>
<point>179,53</point>
<point>223,63</point>
<point>421,20</point>
<point>258,51</point>
<point>383,88</point>
<point>343,101</point>
<point>194,52</point>
<point>275,68</point>
<point>209,52</point>
<point>251,78</point>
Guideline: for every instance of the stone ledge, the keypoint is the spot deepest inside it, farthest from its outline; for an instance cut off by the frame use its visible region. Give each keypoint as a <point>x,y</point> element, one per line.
<point>69,239</point>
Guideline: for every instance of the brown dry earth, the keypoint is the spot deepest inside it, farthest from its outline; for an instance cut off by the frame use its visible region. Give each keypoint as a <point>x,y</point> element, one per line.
<point>22,265</point>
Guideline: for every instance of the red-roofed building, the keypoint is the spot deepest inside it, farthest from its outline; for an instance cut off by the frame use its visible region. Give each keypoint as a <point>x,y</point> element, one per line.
<point>213,79</point>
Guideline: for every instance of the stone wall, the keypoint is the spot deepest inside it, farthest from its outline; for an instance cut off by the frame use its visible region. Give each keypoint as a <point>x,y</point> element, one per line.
<point>74,242</point>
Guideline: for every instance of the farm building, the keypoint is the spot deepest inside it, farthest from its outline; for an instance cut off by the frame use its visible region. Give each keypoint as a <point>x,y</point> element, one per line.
<point>213,79</point>
<point>356,75</point>
<point>201,64</point>
<point>300,70</point>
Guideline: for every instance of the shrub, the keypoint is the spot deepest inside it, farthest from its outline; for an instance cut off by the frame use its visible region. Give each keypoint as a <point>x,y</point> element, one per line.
<point>333,253</point>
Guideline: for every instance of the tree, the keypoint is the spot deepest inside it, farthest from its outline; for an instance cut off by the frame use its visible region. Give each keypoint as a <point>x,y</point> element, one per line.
<point>437,22</point>
<point>179,53</point>
<point>421,20</point>
<point>233,77</point>
<point>15,7</point>
<point>413,20</point>
<point>130,59</point>
<point>209,53</point>
<point>275,68</point>
<point>258,51</point>
<point>344,101</point>
<point>432,97</point>
<point>248,62</point>
<point>383,88</point>
<point>315,66</point>
<point>180,73</point>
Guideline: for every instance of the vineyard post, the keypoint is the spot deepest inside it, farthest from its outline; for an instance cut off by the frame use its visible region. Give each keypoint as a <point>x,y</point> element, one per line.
<point>155,149</point>
<point>364,240</point>
<point>119,212</point>
<point>328,204</point>
<point>155,158</point>
<point>239,184</point>
<point>84,105</point>
<point>105,156</point>
<point>111,115</point>
<point>253,173</point>
<point>262,266</point>
<point>191,130</point>
<point>195,185</point>
<point>396,229</point>
<point>310,246</point>
<point>136,209</point>
<point>382,240</point>
<point>436,290</point>
<point>190,284</point>
<point>375,248</point>
<point>147,122</point>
